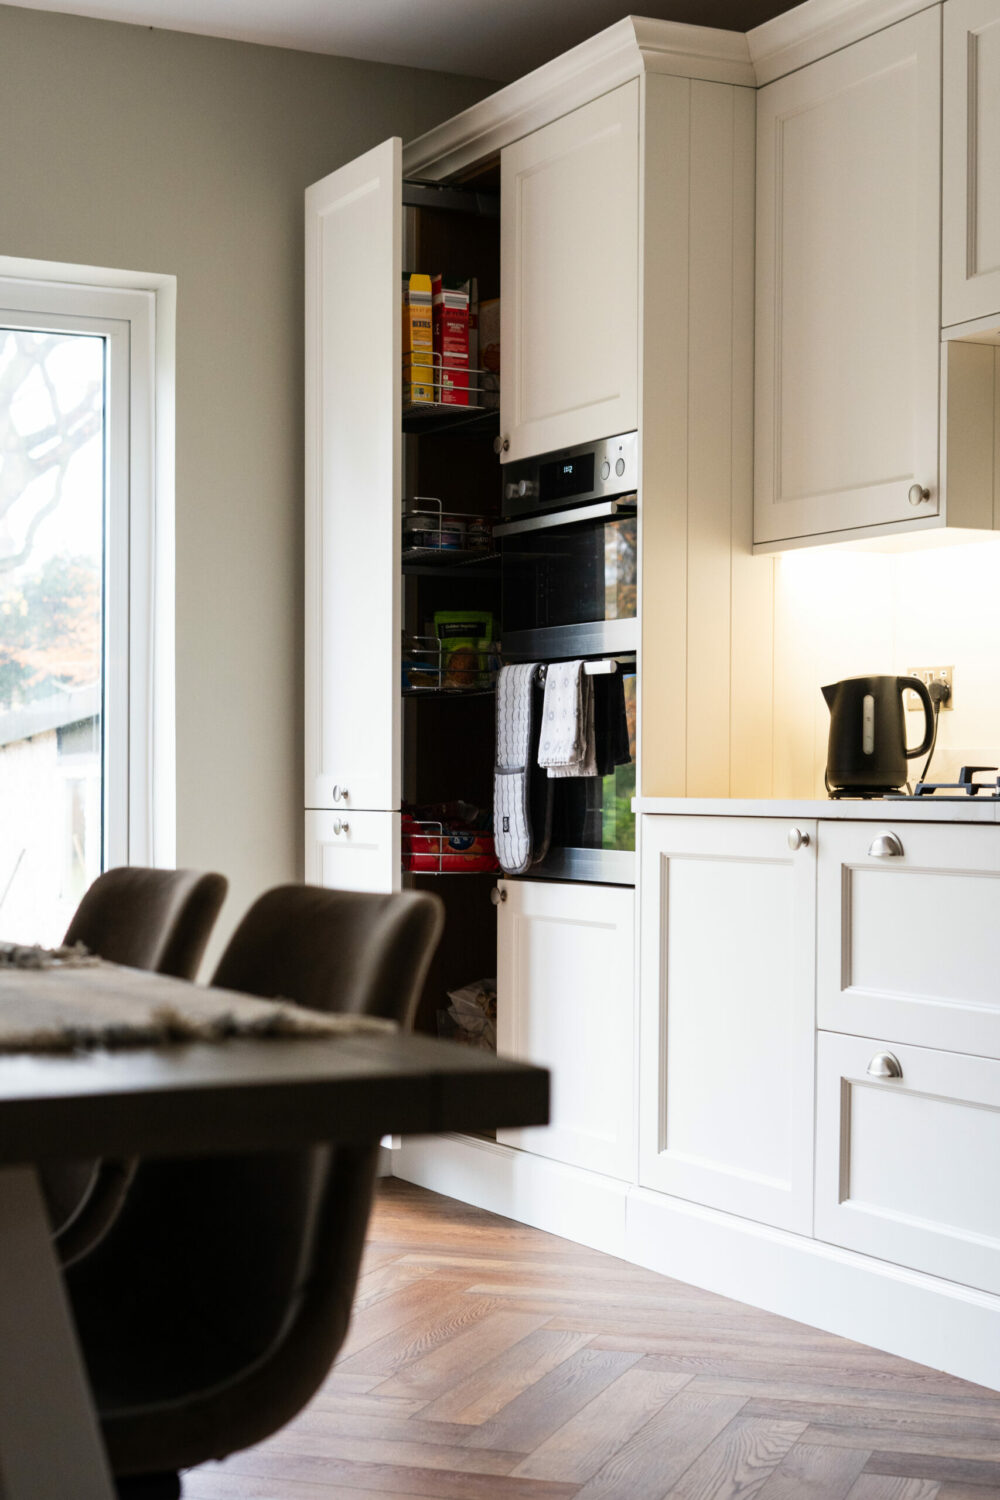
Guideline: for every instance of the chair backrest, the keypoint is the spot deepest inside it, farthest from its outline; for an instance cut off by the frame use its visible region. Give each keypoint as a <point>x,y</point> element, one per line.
<point>149,919</point>
<point>259,1252</point>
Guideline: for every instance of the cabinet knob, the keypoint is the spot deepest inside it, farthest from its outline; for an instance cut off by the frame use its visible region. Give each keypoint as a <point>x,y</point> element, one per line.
<point>884,1065</point>
<point>885,846</point>
<point>339,826</point>
<point>497,895</point>
<point>917,494</point>
<point>797,839</point>
<point>501,444</point>
<point>340,794</point>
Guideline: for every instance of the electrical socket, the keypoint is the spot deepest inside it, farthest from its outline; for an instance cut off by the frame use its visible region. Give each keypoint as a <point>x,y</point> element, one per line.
<point>929,675</point>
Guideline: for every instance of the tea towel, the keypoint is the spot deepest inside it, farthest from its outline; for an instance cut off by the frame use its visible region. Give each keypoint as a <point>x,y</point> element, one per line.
<point>567,744</point>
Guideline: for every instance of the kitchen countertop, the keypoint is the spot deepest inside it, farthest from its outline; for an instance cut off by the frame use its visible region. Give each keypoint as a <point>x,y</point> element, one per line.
<point>877,810</point>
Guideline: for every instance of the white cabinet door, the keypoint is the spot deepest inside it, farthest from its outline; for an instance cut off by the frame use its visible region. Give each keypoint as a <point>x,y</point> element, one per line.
<point>908,939</point>
<point>906,1166</point>
<point>565,999</point>
<point>848,255</point>
<point>970,286</point>
<point>727,947</point>
<point>569,255</point>
<point>353,483</point>
<point>353,851</point>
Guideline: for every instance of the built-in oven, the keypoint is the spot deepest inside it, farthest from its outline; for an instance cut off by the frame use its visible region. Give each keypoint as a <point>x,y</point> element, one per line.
<point>568,570</point>
<point>568,552</point>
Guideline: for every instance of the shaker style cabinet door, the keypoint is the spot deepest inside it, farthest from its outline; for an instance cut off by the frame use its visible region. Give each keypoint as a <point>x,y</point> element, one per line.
<point>847,335</point>
<point>565,999</point>
<point>970,286</point>
<point>353,484</point>
<point>727,949</point>
<point>569,249</point>
<point>353,851</point>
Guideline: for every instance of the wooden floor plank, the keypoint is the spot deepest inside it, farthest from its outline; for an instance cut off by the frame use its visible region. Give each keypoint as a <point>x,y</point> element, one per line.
<point>815,1473</point>
<point>737,1465</point>
<point>585,1443</point>
<point>489,1361</point>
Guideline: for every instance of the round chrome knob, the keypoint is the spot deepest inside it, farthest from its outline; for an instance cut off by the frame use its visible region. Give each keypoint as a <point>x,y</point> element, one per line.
<point>797,839</point>
<point>501,444</point>
<point>340,794</point>
<point>885,846</point>
<point>884,1065</point>
<point>497,895</point>
<point>339,826</point>
<point>522,488</point>
<point>917,494</point>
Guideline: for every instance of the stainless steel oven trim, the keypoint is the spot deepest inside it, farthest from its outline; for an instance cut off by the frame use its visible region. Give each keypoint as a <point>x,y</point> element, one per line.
<point>549,520</point>
<point>593,638</point>
<point>601,866</point>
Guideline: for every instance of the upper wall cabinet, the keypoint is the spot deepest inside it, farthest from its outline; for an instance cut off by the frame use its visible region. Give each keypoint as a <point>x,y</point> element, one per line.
<point>353,484</point>
<point>971,196</point>
<point>570,267</point>
<point>847,377</point>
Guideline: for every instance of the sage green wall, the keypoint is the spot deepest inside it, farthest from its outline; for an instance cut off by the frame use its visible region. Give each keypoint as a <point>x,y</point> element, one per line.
<point>159,151</point>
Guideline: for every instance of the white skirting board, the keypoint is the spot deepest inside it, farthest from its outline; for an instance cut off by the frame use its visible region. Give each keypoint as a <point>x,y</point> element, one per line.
<point>918,1317</point>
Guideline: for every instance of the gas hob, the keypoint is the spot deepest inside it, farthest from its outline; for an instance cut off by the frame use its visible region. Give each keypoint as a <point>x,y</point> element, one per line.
<point>956,791</point>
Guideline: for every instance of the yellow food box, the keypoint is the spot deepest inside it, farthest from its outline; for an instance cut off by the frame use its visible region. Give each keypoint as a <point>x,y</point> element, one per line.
<point>418,339</point>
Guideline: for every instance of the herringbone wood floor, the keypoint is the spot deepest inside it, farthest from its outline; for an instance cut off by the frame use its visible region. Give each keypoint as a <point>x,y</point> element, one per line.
<point>491,1360</point>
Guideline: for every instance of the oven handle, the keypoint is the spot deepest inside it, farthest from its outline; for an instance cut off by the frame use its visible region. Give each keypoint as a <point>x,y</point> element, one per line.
<point>624,505</point>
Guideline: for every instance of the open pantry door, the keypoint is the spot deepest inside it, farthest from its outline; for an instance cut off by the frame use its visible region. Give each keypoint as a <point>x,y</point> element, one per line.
<point>353,486</point>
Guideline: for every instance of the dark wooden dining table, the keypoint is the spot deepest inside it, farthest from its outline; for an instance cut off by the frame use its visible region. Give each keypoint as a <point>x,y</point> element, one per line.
<point>180,1100</point>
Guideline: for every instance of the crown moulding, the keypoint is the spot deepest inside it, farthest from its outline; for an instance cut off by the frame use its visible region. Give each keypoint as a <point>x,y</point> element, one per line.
<point>621,52</point>
<point>819,27</point>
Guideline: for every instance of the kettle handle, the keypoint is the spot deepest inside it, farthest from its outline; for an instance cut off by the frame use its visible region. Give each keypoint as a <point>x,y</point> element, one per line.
<point>920,688</point>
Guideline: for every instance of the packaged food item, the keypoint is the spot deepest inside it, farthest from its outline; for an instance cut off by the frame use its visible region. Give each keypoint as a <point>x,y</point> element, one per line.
<point>451,337</point>
<point>479,533</point>
<point>463,635</point>
<point>475,380</point>
<point>489,350</point>
<point>418,338</point>
<point>471,1018</point>
<point>431,527</point>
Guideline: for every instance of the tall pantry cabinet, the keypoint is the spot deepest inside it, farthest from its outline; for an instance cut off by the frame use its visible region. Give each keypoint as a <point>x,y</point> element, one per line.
<point>621,245</point>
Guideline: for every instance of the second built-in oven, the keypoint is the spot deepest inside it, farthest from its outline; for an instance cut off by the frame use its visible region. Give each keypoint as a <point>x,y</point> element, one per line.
<point>568,553</point>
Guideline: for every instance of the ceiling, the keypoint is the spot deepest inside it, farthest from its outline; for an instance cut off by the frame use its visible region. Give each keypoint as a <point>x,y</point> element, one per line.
<point>497,39</point>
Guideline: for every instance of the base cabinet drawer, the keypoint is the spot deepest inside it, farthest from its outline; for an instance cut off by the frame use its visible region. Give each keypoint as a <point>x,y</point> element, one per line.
<point>353,851</point>
<point>907,1162</point>
<point>908,940</point>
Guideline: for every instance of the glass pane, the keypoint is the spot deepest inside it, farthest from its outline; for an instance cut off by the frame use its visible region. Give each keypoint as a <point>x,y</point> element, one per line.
<point>52,467</point>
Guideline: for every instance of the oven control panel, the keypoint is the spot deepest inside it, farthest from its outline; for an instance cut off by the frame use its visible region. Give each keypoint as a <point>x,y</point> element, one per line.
<point>589,471</point>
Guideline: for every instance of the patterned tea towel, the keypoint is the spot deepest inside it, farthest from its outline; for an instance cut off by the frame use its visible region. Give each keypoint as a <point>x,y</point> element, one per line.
<point>512,832</point>
<point>567,745</point>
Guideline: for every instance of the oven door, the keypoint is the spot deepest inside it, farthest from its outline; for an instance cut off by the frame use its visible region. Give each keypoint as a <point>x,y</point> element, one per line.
<point>593,825</point>
<point>568,581</point>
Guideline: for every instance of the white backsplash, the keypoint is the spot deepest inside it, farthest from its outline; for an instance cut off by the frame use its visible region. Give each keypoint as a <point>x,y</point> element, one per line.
<point>842,613</point>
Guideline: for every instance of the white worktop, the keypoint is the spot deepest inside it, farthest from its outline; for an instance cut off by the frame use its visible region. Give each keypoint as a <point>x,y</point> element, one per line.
<point>877,810</point>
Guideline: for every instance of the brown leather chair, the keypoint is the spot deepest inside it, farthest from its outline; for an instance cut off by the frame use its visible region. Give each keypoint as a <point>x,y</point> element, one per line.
<point>146,919</point>
<point>214,1307</point>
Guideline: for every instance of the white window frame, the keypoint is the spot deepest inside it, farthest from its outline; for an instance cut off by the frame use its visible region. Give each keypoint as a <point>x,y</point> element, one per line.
<point>137,322</point>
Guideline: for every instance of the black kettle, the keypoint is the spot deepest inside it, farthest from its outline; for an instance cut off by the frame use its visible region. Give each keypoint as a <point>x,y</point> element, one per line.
<point>867,753</point>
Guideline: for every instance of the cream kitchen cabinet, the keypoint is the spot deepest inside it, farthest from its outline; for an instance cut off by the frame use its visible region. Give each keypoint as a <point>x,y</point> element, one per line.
<point>907,1153</point>
<point>970,287</point>
<point>848,262</point>
<point>908,942</point>
<point>353,851</point>
<point>727,1016</point>
<point>353,485</point>
<point>570,278</point>
<point>566,999</point>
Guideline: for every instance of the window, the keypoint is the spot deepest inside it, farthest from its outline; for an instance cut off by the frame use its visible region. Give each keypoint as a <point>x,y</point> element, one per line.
<point>77,595</point>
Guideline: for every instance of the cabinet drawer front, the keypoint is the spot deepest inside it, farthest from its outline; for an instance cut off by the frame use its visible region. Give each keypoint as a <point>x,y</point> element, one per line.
<point>970,286</point>
<point>727,1030</point>
<point>353,851</point>
<point>909,943</point>
<point>906,1167</point>
<point>565,999</point>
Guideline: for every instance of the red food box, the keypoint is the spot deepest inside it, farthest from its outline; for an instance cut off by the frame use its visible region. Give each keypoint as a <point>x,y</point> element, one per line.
<point>451,337</point>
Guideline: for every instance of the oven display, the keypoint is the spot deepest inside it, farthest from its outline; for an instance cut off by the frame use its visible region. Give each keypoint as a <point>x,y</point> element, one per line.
<point>565,477</point>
